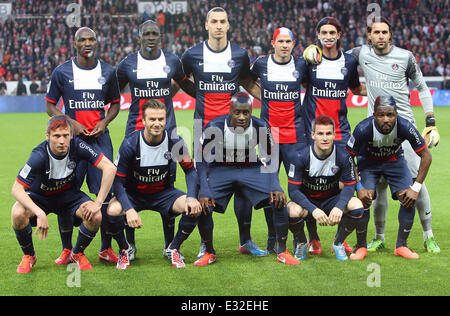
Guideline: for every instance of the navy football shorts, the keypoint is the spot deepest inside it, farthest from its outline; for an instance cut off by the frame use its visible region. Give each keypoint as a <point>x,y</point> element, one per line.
<point>396,174</point>
<point>250,181</point>
<point>161,202</point>
<point>63,204</point>
<point>93,175</point>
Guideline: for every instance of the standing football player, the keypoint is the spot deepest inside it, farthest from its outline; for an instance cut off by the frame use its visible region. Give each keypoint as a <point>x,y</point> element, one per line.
<point>281,76</point>
<point>219,67</point>
<point>86,85</point>
<point>326,94</point>
<point>149,74</point>
<point>48,184</point>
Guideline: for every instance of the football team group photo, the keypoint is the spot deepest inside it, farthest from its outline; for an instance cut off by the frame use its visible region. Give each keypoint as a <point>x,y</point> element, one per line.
<point>274,172</point>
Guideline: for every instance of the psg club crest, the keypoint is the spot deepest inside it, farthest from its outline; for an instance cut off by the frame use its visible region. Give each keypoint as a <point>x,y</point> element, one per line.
<point>168,155</point>
<point>71,165</point>
<point>344,71</point>
<point>394,66</point>
<point>101,80</point>
<point>296,74</point>
<point>231,63</point>
<point>166,69</point>
<point>334,169</point>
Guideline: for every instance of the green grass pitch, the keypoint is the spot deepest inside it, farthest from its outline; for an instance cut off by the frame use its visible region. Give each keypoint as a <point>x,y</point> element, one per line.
<point>233,274</point>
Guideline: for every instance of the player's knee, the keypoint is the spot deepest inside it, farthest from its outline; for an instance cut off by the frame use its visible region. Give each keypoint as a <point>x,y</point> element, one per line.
<point>114,208</point>
<point>19,215</point>
<point>354,204</point>
<point>96,219</point>
<point>296,211</point>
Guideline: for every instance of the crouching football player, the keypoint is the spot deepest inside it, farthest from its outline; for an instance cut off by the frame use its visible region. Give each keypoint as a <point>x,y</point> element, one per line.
<point>377,141</point>
<point>146,170</point>
<point>47,184</point>
<point>231,165</point>
<point>314,187</point>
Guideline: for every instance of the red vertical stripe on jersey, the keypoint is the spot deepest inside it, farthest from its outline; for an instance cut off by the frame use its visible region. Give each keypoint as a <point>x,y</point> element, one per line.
<point>282,115</point>
<point>88,118</point>
<point>332,109</point>
<point>139,124</point>
<point>216,104</point>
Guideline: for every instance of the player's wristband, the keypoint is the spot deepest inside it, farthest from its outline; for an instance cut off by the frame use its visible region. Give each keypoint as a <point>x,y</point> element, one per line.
<point>430,121</point>
<point>359,186</point>
<point>416,187</point>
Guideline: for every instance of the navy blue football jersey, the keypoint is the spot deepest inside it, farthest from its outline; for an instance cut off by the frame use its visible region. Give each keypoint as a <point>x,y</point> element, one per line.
<point>371,145</point>
<point>319,178</point>
<point>85,91</point>
<point>326,93</point>
<point>48,174</point>
<point>281,96</point>
<point>149,79</point>
<point>216,75</point>
<point>147,168</point>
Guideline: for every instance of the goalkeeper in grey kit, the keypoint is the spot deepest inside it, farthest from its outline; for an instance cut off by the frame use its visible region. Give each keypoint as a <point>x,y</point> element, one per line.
<point>387,70</point>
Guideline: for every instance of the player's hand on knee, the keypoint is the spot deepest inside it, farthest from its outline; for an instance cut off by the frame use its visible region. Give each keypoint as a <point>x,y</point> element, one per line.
<point>192,207</point>
<point>366,197</point>
<point>133,219</point>
<point>320,217</point>
<point>335,216</point>
<point>206,203</point>
<point>278,199</point>
<point>408,197</point>
<point>89,209</point>
<point>42,226</point>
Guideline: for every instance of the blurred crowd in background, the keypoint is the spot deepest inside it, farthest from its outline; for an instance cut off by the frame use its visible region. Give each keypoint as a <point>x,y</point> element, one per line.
<point>37,38</point>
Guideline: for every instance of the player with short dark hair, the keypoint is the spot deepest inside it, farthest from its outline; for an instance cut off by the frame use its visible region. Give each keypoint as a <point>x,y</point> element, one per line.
<point>86,85</point>
<point>48,184</point>
<point>150,73</point>
<point>146,171</point>
<point>230,164</point>
<point>314,182</point>
<point>377,142</point>
<point>218,67</point>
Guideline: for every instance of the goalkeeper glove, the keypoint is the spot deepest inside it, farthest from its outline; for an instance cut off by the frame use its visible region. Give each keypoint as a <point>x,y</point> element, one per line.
<point>313,54</point>
<point>430,133</point>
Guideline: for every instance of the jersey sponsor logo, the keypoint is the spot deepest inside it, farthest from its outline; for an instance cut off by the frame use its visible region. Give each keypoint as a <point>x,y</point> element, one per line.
<point>330,91</point>
<point>88,148</point>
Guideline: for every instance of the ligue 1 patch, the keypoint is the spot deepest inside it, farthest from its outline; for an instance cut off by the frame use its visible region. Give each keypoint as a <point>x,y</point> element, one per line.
<point>231,63</point>
<point>25,171</point>
<point>72,165</point>
<point>344,71</point>
<point>101,80</point>
<point>166,69</point>
<point>168,155</point>
<point>334,169</point>
<point>394,66</point>
<point>291,171</point>
<point>296,74</point>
